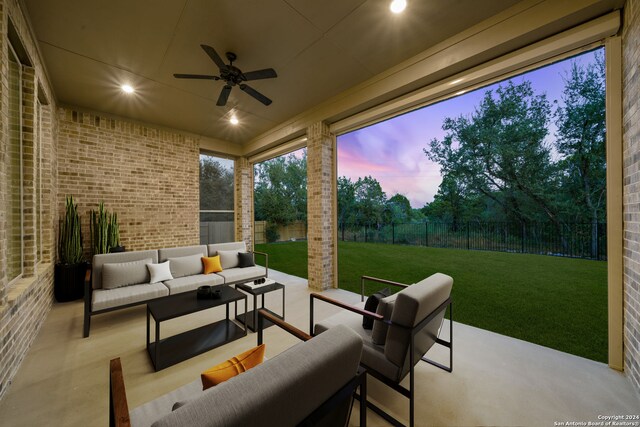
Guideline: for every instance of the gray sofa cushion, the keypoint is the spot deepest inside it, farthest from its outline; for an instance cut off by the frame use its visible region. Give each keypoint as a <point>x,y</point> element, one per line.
<point>118,274</point>
<point>281,391</point>
<point>189,283</point>
<point>412,305</point>
<point>166,253</point>
<point>108,298</point>
<point>385,308</point>
<point>186,265</point>
<point>234,275</point>
<point>372,354</point>
<point>101,259</point>
<point>230,246</point>
<point>228,259</point>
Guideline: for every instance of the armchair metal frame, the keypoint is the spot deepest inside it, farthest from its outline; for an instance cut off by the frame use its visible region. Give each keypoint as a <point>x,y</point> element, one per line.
<point>409,393</point>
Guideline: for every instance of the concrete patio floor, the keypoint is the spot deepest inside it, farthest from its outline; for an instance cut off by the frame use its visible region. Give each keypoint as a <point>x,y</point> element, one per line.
<point>497,380</point>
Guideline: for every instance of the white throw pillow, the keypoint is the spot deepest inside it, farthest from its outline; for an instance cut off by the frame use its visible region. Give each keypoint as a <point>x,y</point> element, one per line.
<point>228,259</point>
<point>160,272</point>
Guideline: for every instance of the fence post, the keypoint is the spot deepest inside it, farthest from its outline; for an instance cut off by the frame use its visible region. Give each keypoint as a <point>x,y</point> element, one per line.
<point>426,234</point>
<point>468,243</point>
<point>393,233</point>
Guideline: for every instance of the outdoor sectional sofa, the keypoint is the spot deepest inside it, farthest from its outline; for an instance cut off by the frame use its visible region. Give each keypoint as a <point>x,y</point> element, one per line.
<point>121,280</point>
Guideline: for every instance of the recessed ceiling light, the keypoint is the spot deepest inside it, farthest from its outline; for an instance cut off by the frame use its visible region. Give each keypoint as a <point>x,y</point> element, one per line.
<point>461,92</point>
<point>456,81</point>
<point>234,120</point>
<point>127,89</point>
<point>397,6</point>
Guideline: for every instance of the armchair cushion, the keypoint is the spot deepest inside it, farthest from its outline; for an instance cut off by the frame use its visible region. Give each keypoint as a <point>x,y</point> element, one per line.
<point>385,308</point>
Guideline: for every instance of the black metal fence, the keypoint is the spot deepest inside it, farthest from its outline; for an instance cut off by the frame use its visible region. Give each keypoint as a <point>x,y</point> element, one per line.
<point>576,240</point>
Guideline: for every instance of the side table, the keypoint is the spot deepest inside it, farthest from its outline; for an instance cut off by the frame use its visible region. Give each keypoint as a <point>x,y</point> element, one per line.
<point>250,318</point>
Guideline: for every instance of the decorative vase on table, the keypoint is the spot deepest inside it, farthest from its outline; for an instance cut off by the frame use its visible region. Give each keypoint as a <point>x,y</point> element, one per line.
<point>70,271</point>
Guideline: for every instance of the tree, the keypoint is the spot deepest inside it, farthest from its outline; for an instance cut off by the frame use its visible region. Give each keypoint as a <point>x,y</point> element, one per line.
<point>581,139</point>
<point>370,202</point>
<point>216,185</point>
<point>280,192</point>
<point>500,153</point>
<point>398,209</point>
<point>346,203</point>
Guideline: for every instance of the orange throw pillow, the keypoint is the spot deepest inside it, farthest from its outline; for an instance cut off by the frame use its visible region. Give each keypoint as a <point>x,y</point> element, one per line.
<point>211,264</point>
<point>232,367</point>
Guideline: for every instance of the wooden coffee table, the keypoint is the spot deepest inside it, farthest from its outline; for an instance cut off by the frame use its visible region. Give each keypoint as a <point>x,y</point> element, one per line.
<point>168,351</point>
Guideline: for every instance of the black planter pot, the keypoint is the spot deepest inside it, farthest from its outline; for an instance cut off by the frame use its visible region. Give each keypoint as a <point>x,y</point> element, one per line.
<point>69,281</point>
<point>117,249</point>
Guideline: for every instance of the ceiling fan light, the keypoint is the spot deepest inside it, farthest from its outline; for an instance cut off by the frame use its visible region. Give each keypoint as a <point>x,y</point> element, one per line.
<point>127,88</point>
<point>234,120</point>
<point>398,6</point>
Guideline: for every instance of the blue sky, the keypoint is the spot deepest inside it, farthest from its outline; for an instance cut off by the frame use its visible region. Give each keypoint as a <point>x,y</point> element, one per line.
<point>392,151</point>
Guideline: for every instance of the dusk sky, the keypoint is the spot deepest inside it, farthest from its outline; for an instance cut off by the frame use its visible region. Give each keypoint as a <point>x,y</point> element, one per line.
<point>392,151</point>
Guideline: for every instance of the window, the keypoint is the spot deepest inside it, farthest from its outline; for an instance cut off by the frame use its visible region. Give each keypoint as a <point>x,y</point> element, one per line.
<point>14,211</point>
<point>38,183</point>
<point>216,199</point>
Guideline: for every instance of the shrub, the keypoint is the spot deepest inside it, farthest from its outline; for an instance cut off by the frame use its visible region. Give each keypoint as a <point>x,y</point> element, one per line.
<point>271,233</point>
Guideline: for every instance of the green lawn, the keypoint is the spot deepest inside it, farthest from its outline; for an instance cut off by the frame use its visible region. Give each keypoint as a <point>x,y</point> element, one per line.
<point>552,301</point>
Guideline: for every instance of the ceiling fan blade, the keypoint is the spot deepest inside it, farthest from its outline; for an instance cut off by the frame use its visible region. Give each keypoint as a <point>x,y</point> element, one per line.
<point>257,95</point>
<point>224,95</point>
<point>214,56</point>
<point>267,73</point>
<point>195,76</point>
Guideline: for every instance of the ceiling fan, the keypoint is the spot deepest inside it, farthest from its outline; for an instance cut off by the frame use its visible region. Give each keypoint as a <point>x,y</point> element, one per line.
<point>232,76</point>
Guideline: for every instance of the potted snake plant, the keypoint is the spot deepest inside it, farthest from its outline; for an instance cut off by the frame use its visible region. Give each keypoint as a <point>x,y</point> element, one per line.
<point>70,270</point>
<point>105,231</point>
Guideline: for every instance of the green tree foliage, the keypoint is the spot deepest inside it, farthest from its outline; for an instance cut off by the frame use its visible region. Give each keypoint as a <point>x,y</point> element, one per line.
<point>216,185</point>
<point>500,153</point>
<point>580,139</point>
<point>497,164</point>
<point>280,191</point>
<point>370,202</point>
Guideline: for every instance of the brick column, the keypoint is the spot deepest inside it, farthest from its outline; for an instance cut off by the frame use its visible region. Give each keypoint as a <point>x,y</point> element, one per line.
<point>243,171</point>
<point>321,182</point>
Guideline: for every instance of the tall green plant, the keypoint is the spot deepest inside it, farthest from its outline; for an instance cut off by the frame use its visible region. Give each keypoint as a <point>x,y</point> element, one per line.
<point>70,239</point>
<point>99,229</point>
<point>114,231</point>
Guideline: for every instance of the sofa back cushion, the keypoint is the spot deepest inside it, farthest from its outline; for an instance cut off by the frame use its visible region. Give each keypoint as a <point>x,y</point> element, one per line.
<point>120,257</point>
<point>412,305</point>
<point>185,265</point>
<point>119,274</point>
<point>166,253</point>
<point>281,391</point>
<point>228,259</point>
<point>229,246</point>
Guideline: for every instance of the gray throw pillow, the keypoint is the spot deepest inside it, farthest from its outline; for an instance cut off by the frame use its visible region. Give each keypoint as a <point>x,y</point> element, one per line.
<point>118,274</point>
<point>385,308</point>
<point>228,259</point>
<point>186,265</point>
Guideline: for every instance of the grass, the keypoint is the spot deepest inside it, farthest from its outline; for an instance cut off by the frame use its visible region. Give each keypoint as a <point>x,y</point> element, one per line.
<point>552,301</point>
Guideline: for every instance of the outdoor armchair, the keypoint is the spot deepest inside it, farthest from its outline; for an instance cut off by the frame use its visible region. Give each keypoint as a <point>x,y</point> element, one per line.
<point>406,325</point>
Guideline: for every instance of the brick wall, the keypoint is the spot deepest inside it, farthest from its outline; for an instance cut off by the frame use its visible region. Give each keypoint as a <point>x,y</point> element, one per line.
<point>631,194</point>
<point>149,176</point>
<point>24,303</point>
<point>321,181</point>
